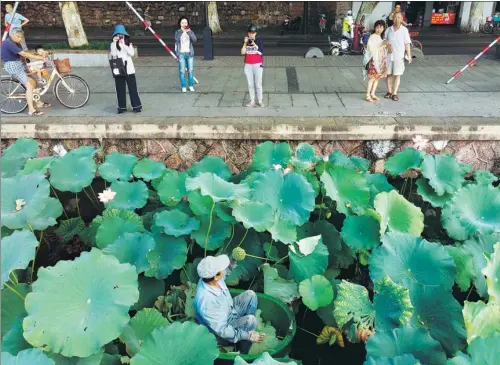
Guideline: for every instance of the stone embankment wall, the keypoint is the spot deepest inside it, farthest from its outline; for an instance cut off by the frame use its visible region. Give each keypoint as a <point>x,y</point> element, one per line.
<point>181,154</point>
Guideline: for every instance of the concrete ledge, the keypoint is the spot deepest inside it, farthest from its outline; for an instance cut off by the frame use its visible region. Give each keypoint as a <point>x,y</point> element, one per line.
<point>87,58</point>
<point>303,129</point>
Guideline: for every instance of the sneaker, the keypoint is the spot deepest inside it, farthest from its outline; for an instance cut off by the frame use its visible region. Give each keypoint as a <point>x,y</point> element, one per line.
<point>191,88</point>
<point>183,89</point>
<point>251,104</point>
<point>261,103</point>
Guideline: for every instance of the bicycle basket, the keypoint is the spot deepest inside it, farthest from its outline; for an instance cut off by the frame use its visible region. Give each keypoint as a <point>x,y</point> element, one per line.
<point>62,65</point>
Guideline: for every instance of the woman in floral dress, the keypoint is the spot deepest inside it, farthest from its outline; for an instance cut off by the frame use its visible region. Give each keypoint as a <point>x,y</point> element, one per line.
<point>376,60</point>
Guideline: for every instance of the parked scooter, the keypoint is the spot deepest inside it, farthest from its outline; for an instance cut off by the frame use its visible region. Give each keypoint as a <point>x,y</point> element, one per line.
<point>290,24</point>
<point>322,23</point>
<point>344,45</point>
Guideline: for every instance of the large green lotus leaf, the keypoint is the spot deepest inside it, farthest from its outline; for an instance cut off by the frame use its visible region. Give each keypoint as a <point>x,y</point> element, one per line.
<point>17,251</point>
<point>398,214</point>
<point>22,147</point>
<point>27,357</point>
<point>90,360</point>
<point>392,304</point>
<point>249,267</point>
<point>290,196</point>
<point>484,177</point>
<point>70,228</point>
<point>406,340</point>
<point>149,290</point>
<point>284,231</point>
<point>118,166</point>
<point>492,273</point>
<point>37,209</point>
<point>199,204</point>
<point>176,223</point>
<point>224,211</point>
<point>481,320</point>
<point>178,344</point>
<point>189,274</point>
<point>13,306</point>
<point>76,307</point>
<point>407,259</point>
<point>270,340</point>
<point>486,350</point>
<point>326,313</point>
<point>140,326</point>
<point>409,158</point>
<point>73,172</point>
<point>452,224</point>
<point>41,164</point>
<point>169,254</point>
<point>398,360</point>
<point>316,292</point>
<point>429,194</point>
<point>378,183</point>
<point>348,188</point>
<point>264,359</point>
<point>217,188</point>
<point>338,158</point>
<point>129,195</point>
<point>256,215</point>
<point>466,272</point>
<point>305,156</point>
<point>147,169</point>
<point>361,233</point>
<point>132,248</point>
<point>477,208</point>
<point>13,342</point>
<point>219,231</point>
<point>277,287</point>
<point>311,179</point>
<point>268,154</point>
<point>443,172</point>
<point>212,164</point>
<point>111,359</point>
<point>115,223</point>
<point>352,304</point>
<point>171,187</point>
<point>311,258</point>
<point>11,166</point>
<point>440,313</point>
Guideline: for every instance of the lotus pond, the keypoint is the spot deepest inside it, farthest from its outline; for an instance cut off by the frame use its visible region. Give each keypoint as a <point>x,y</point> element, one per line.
<point>99,256</point>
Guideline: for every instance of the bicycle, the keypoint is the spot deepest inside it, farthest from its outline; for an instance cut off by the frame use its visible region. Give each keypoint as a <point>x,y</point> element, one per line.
<point>414,43</point>
<point>70,90</point>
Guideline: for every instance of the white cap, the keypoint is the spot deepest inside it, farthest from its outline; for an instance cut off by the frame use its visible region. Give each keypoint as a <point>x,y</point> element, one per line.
<point>211,266</point>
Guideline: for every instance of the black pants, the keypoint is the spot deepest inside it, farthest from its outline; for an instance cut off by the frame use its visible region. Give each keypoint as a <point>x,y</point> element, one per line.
<point>121,93</point>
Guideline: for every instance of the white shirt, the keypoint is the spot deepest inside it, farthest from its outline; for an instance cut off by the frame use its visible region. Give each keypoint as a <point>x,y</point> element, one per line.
<point>185,43</point>
<point>125,53</point>
<point>398,39</point>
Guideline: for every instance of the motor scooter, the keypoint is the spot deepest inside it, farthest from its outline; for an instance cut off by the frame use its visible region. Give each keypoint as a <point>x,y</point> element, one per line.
<point>290,24</point>
<point>322,23</point>
<point>344,45</point>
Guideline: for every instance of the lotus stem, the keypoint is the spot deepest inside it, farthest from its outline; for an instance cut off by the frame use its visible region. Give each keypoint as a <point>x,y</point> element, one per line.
<point>77,206</point>
<point>231,239</point>
<point>270,249</point>
<point>36,253</point>
<point>64,210</point>
<point>281,259</point>
<point>243,239</point>
<point>321,205</point>
<point>88,196</point>
<point>189,279</point>
<point>209,227</point>
<point>312,334</point>
<point>93,192</point>
<point>15,281</point>
<point>258,257</point>
<point>15,291</point>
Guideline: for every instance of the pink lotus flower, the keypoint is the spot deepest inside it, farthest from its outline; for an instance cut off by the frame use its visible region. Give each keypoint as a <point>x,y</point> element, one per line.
<point>107,195</point>
<point>277,167</point>
<point>419,143</point>
<point>287,170</point>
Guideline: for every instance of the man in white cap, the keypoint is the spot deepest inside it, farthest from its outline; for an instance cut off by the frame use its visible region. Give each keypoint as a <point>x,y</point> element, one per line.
<point>230,320</point>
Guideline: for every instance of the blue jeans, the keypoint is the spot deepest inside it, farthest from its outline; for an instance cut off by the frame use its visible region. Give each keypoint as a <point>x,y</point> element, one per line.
<point>245,306</point>
<point>186,61</point>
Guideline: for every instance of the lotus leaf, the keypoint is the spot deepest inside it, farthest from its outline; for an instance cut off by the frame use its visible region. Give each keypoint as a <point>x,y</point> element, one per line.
<point>13,342</point>
<point>13,306</point>
<point>310,259</point>
<point>17,251</point>
<point>398,360</point>
<point>171,187</point>
<point>70,228</point>
<point>378,183</point>
<point>429,194</point>
<point>271,251</point>
<point>139,327</point>
<point>248,268</point>
<point>189,274</point>
<point>284,231</point>
<point>219,231</point>
<point>256,215</point>
<point>486,350</point>
<point>481,320</point>
<point>361,233</point>
<point>200,204</point>
<point>268,154</point>
<point>270,340</point>
<point>78,306</point>
<point>466,273</point>
<point>90,360</point>
<point>38,211</point>
<point>453,226</point>
<point>290,196</point>
<point>398,214</point>
<point>169,254</point>
<point>224,211</point>
<point>74,171</point>
<point>407,259</point>
<point>459,359</point>
<point>212,164</point>
<point>338,158</point>
<point>305,156</point>
<point>477,208</point>
<point>41,164</point>
<point>316,292</point>
<point>406,341</point>
<point>176,223</point>
<point>264,359</point>
<point>492,273</point>
<point>218,189</point>
<point>149,290</point>
<point>352,304</point>
<point>348,188</point>
<point>132,248</point>
<point>147,169</point>
<point>392,304</point>
<point>484,177</point>
<point>400,162</point>
<point>443,172</point>
<point>111,359</point>
<point>27,357</point>
<point>326,313</point>
<point>11,166</point>
<point>439,312</point>
<point>285,290</point>
<point>129,195</point>
<point>22,147</point>
<point>118,166</point>
<point>311,179</point>
<point>116,222</point>
<point>178,344</point>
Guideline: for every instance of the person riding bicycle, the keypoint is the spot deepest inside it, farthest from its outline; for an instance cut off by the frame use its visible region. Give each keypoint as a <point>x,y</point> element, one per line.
<point>38,66</point>
<point>12,64</point>
<point>348,25</point>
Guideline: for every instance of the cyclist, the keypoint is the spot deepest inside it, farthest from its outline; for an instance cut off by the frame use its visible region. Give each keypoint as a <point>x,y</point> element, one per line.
<point>347,25</point>
<point>12,64</point>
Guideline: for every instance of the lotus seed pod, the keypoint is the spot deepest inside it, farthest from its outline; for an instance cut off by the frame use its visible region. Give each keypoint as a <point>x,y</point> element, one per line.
<point>239,254</point>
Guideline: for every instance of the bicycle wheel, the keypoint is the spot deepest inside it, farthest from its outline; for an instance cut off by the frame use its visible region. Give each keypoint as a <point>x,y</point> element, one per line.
<point>417,44</point>
<point>9,105</point>
<point>77,96</point>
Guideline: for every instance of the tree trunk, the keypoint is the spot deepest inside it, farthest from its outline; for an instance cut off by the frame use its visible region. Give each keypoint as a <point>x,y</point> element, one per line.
<point>476,15</point>
<point>365,11</point>
<point>213,18</point>
<point>73,24</point>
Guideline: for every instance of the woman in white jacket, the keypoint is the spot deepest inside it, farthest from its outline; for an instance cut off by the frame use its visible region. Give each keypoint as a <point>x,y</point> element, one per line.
<point>121,47</point>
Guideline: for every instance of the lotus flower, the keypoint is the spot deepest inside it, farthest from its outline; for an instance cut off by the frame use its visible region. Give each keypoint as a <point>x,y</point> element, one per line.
<point>287,170</point>
<point>419,143</point>
<point>277,167</point>
<point>325,158</point>
<point>107,195</point>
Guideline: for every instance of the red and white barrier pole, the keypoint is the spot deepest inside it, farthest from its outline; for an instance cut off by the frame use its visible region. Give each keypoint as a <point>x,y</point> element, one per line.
<point>472,61</point>
<point>7,27</point>
<point>154,33</point>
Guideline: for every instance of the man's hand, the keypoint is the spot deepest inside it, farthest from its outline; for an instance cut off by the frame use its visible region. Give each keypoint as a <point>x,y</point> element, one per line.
<point>245,40</point>
<point>256,337</point>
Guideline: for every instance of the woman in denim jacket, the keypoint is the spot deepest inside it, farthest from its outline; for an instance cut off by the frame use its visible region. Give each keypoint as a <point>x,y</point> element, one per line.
<point>184,39</point>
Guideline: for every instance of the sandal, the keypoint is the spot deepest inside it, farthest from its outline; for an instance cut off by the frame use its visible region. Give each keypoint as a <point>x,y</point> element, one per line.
<point>44,105</point>
<point>368,98</point>
<point>36,113</point>
<point>374,97</point>
<point>388,96</point>
<point>395,97</point>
